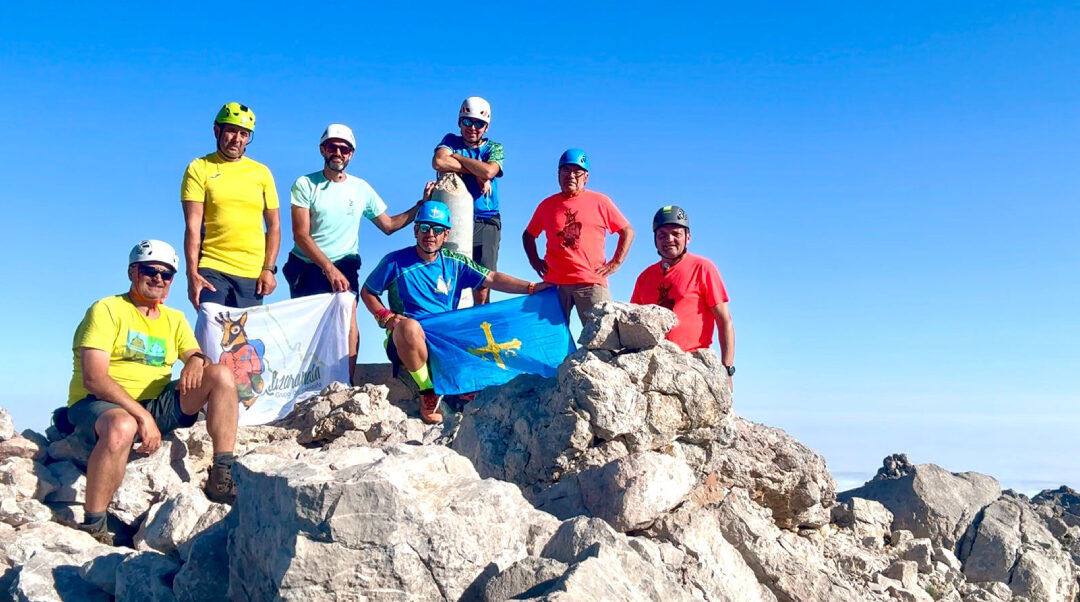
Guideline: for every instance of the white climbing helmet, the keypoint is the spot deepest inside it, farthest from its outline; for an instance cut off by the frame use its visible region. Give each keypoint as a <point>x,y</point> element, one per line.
<point>154,250</point>
<point>477,108</point>
<point>337,131</point>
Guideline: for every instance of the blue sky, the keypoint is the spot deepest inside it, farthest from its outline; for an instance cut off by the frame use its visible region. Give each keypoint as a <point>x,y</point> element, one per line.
<point>889,191</point>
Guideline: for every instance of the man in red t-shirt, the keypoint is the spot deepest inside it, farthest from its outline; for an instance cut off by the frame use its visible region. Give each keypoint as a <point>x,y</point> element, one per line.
<point>688,285</point>
<point>576,223</point>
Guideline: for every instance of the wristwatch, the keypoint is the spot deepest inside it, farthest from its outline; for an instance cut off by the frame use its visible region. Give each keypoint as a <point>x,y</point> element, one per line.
<point>730,370</point>
<point>270,268</point>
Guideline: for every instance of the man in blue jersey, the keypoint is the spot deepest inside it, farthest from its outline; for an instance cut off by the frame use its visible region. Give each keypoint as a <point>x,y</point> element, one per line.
<point>479,161</point>
<point>425,279</point>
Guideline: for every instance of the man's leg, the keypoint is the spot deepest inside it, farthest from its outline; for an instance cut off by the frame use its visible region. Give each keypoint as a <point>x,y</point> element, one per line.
<point>243,292</point>
<point>411,346</point>
<point>566,298</point>
<point>116,430</point>
<point>486,238</point>
<point>217,393</point>
<point>354,343</point>
<point>589,296</point>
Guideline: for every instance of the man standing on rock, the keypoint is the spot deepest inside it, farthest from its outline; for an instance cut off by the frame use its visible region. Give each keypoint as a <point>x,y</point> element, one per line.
<point>576,223</point>
<point>124,350</point>
<point>479,161</point>
<point>688,285</point>
<point>426,279</point>
<point>227,199</point>
<point>327,207</point>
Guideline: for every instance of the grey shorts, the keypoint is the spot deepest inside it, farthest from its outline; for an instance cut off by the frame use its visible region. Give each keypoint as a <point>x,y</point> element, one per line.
<point>165,408</point>
<point>582,297</point>
<point>487,233</point>
<point>232,291</point>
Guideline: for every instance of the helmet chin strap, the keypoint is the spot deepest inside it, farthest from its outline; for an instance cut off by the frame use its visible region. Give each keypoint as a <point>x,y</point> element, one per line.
<point>666,264</point>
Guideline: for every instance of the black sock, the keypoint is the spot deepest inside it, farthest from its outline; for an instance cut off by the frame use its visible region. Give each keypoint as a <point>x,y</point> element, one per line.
<point>224,459</point>
<point>94,519</point>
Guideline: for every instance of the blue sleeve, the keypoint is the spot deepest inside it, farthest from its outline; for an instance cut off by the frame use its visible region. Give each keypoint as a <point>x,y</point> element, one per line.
<point>379,278</point>
<point>448,141</point>
<point>470,273</point>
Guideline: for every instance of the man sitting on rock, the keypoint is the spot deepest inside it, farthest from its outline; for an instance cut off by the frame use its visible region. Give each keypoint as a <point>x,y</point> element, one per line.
<point>688,285</point>
<point>425,279</point>
<point>124,350</point>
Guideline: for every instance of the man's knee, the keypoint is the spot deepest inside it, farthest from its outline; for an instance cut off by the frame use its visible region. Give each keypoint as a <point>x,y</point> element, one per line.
<point>219,376</point>
<point>116,430</point>
<point>409,332</point>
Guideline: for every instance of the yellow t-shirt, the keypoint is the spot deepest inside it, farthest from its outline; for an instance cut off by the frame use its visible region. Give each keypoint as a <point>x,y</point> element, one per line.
<point>141,350</point>
<point>235,194</point>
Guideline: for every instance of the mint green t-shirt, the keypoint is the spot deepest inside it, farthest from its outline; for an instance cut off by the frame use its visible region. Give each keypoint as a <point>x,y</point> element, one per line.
<point>335,209</point>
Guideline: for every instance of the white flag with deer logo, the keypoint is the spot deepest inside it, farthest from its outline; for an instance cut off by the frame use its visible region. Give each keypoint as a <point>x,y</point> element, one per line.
<point>279,353</point>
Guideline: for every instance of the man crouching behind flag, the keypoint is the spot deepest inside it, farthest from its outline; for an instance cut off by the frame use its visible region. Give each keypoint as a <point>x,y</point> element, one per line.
<point>423,280</point>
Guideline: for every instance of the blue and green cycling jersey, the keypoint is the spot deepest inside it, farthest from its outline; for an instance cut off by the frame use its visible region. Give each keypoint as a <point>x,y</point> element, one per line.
<point>415,288</point>
<point>484,205</point>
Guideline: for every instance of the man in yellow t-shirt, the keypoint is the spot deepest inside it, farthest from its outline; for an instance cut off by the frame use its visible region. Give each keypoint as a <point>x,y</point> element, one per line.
<point>227,199</point>
<point>121,386</point>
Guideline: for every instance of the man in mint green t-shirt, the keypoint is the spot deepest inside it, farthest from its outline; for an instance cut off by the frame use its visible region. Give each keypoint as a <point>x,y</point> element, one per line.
<point>327,207</point>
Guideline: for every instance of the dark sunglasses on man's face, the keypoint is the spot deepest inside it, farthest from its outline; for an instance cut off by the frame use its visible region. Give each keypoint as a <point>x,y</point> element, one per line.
<point>469,122</point>
<point>425,228</point>
<point>343,149</point>
<point>151,271</point>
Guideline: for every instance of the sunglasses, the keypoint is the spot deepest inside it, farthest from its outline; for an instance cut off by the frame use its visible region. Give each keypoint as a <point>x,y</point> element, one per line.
<point>425,228</point>
<point>150,272</point>
<point>469,122</point>
<point>343,149</point>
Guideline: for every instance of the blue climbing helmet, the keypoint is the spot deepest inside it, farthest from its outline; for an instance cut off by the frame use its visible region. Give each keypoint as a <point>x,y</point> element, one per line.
<point>575,156</point>
<point>434,212</point>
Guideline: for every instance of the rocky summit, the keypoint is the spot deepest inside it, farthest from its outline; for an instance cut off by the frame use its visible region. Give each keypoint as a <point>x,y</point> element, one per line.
<point>628,476</point>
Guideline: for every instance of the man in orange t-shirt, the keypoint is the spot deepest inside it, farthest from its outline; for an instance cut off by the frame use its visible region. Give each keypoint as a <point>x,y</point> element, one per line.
<point>576,223</point>
<point>688,285</point>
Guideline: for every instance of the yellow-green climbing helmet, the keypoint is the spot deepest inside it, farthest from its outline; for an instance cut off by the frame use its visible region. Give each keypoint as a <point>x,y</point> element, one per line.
<point>236,114</point>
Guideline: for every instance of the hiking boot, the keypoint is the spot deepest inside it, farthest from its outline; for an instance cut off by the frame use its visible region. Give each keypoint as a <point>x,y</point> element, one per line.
<point>98,531</point>
<point>429,407</point>
<point>220,487</point>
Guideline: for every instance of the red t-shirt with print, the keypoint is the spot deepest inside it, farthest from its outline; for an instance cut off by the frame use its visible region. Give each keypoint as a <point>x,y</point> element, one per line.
<point>691,288</point>
<point>576,228</point>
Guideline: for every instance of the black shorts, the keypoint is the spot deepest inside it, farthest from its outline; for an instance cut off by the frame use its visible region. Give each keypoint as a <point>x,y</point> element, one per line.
<point>306,279</point>
<point>232,291</point>
<point>487,233</point>
<point>165,408</point>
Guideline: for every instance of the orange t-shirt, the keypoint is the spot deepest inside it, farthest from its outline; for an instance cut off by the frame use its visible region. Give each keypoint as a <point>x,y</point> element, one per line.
<point>691,288</point>
<point>576,228</point>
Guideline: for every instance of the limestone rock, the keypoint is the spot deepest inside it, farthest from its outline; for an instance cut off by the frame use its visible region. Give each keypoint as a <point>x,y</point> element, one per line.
<point>710,563</point>
<point>71,483</point>
<point>176,519</point>
<point>522,577</point>
<point>904,571</point>
<point>780,473</point>
<point>49,560</point>
<point>383,374</point>
<point>920,551</point>
<point>146,576</point>
<point>146,481</point>
<point>779,558</point>
<point>930,501</point>
<point>616,326</point>
<point>17,512</point>
<point>21,447</point>
<point>1009,543</point>
<point>73,448</point>
<point>603,566</point>
<point>869,520</point>
<point>632,492</point>
<point>430,526</point>
<point>25,479</point>
<point>339,409</point>
<point>205,572</point>
<point>7,427</point>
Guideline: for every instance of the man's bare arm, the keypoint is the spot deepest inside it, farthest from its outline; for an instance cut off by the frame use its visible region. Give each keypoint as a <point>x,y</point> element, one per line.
<point>193,222</point>
<point>727,333</point>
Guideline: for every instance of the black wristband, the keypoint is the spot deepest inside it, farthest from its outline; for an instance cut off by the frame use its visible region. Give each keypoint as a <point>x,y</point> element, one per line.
<point>206,360</point>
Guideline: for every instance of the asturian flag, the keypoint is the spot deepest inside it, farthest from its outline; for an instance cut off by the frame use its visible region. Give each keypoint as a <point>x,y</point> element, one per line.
<point>279,353</point>
<point>477,347</point>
